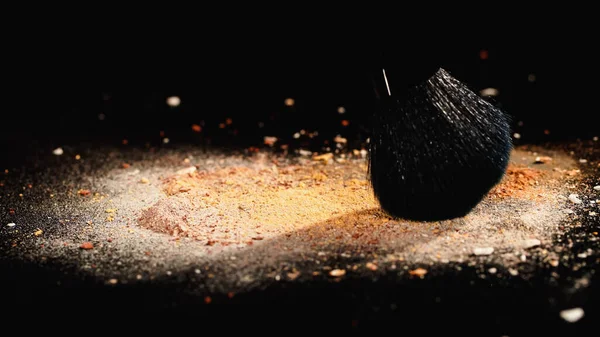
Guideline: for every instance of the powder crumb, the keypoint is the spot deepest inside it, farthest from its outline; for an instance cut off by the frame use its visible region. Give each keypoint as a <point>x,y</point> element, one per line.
<point>530,243</point>
<point>420,272</point>
<point>572,315</point>
<point>293,276</point>
<point>574,198</point>
<point>483,251</point>
<point>113,281</point>
<point>371,266</point>
<point>337,272</point>
<point>38,232</point>
<point>144,181</point>
<point>87,245</point>
<point>542,160</point>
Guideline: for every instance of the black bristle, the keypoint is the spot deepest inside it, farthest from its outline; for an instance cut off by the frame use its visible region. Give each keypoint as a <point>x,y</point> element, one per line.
<point>437,152</point>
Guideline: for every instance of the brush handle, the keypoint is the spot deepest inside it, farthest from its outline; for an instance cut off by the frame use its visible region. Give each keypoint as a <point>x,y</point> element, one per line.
<point>397,71</point>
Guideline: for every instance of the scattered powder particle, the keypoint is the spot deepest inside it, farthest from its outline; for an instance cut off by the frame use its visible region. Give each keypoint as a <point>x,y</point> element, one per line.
<point>188,170</point>
<point>110,210</point>
<point>113,281</point>
<point>574,198</point>
<point>323,157</point>
<point>84,192</point>
<point>483,250</point>
<point>418,272</point>
<point>196,128</point>
<point>125,165</point>
<point>86,245</point>
<point>38,232</point>
<point>293,276</point>
<point>270,140</point>
<point>337,272</point>
<point>12,224</point>
<point>582,255</point>
<point>593,213</point>
<point>58,151</point>
<point>597,188</point>
<point>492,270</point>
<point>144,181</point>
<point>572,315</point>
<point>542,160</point>
<point>530,243</point>
<point>553,263</point>
<point>371,266</point>
<point>513,272</point>
<point>197,271</point>
<point>340,140</point>
<point>138,277</point>
<point>583,161</point>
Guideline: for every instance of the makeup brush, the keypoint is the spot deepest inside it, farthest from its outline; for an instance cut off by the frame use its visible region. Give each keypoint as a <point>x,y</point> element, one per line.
<point>436,147</point>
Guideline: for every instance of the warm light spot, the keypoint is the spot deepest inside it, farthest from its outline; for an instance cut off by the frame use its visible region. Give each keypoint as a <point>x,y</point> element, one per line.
<point>221,125</point>
<point>546,132</point>
<point>296,135</point>
<point>173,101</point>
<point>166,140</point>
<point>125,142</point>
<point>341,110</point>
<point>289,102</point>
<point>77,157</point>
<point>228,121</point>
<point>483,54</point>
<point>517,136</point>
<point>196,128</point>
<point>345,122</point>
<point>489,92</point>
<point>531,78</point>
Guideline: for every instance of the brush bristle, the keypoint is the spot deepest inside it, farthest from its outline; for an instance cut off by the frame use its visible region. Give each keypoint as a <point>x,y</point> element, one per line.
<point>435,155</point>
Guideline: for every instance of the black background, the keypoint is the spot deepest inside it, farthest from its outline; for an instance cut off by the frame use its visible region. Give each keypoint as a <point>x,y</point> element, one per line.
<point>56,88</point>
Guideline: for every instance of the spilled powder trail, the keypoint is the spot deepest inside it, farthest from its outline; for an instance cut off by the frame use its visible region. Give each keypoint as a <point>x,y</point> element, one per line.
<point>233,223</point>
